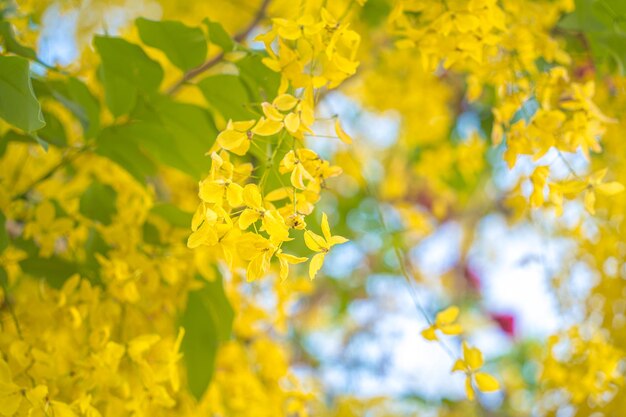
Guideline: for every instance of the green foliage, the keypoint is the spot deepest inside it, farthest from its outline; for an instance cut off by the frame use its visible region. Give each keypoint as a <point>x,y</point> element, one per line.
<point>12,45</point>
<point>98,203</point>
<point>227,95</point>
<point>174,215</point>
<point>54,269</point>
<point>115,144</point>
<point>603,23</point>
<point>75,95</point>
<point>18,104</point>
<point>53,132</point>
<point>4,236</point>
<point>207,321</point>
<point>184,46</point>
<point>219,36</point>
<point>126,71</point>
<point>261,81</point>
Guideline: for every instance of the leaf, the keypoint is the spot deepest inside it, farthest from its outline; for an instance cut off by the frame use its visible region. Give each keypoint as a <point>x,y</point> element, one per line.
<point>262,82</point>
<point>12,45</point>
<point>126,70</point>
<point>374,12</point>
<point>218,36</point>
<point>53,132</point>
<point>4,236</point>
<point>207,321</point>
<point>151,234</point>
<point>193,130</point>
<point>98,203</point>
<point>54,270</point>
<point>75,95</point>
<point>184,46</point>
<point>15,136</point>
<point>151,138</point>
<point>174,215</point>
<point>226,94</point>
<point>18,104</point>
<point>115,145</point>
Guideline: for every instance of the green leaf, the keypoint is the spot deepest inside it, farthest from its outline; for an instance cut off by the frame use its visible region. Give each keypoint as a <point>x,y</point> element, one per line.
<point>151,234</point>
<point>114,143</point>
<point>18,104</point>
<point>603,24</point>
<point>185,46</point>
<point>98,202</point>
<point>4,236</point>
<point>14,136</point>
<point>219,36</point>
<point>207,321</point>
<point>193,131</point>
<point>94,244</point>
<point>262,82</point>
<point>54,270</point>
<point>375,12</point>
<point>155,141</point>
<point>4,279</point>
<point>53,132</point>
<point>12,45</point>
<point>174,215</point>
<point>126,71</point>
<point>227,95</point>
<point>75,95</point>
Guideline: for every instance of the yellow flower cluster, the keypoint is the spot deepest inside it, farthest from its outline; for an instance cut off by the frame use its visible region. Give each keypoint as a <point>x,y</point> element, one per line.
<point>586,367</point>
<point>239,217</point>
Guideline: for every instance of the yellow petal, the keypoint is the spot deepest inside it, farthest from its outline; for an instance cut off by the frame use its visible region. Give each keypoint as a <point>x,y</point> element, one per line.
<point>10,398</point>
<point>292,259</point>
<point>234,194</point>
<point>447,316</point>
<point>459,365</point>
<point>313,241</point>
<point>486,382</point>
<point>316,264</point>
<point>469,390</point>
<point>211,192</point>
<point>451,329</point>
<point>275,226</point>
<point>230,139</point>
<point>267,127</point>
<point>590,202</point>
<point>285,102</point>
<point>243,126</point>
<point>429,333</point>
<point>609,188</point>
<point>247,218</point>
<point>297,177</point>
<point>473,357</point>
<point>292,122</point>
<point>341,134</point>
<point>272,112</point>
<point>205,235</point>
<point>252,196</point>
<point>325,227</point>
<point>337,240</point>
<point>284,268</point>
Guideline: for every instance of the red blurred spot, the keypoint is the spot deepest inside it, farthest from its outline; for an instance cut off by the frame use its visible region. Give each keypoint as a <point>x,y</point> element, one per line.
<point>472,277</point>
<point>506,322</point>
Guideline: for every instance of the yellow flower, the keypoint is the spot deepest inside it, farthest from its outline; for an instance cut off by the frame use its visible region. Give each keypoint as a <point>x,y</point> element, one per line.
<point>445,322</point>
<point>321,245</point>
<point>471,364</point>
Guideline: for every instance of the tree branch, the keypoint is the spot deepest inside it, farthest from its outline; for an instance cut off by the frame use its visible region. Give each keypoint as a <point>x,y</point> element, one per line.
<point>239,37</point>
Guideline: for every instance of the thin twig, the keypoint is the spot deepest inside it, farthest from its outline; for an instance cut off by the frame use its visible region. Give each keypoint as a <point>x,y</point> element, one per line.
<point>239,37</point>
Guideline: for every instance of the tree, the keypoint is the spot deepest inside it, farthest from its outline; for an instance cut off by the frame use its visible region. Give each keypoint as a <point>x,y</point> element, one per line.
<point>177,178</point>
